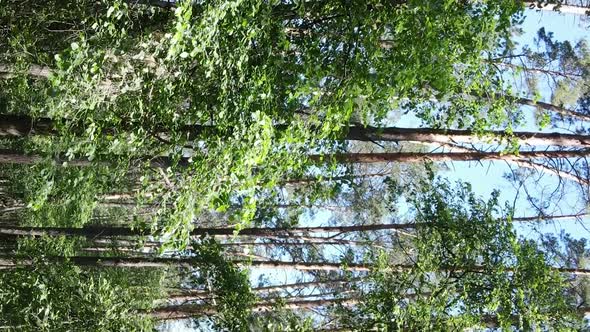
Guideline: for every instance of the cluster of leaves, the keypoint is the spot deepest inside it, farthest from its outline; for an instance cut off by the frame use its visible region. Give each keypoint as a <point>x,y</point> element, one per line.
<point>60,196</point>
<point>230,285</point>
<point>48,292</point>
<point>235,93</point>
<point>466,268</point>
<point>62,297</point>
<point>213,104</point>
<point>234,298</point>
<point>282,320</point>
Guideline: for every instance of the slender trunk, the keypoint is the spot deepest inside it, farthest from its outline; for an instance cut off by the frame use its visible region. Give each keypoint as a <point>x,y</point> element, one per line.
<point>19,126</point>
<point>172,312</point>
<point>13,208</point>
<point>155,262</point>
<point>105,231</point>
<point>553,108</point>
<point>143,262</point>
<point>453,136</point>
<point>102,231</point>
<point>550,170</point>
<point>125,197</point>
<point>520,162</point>
<point>152,247</point>
<point>188,310</point>
<point>17,157</point>
<point>97,250</point>
<point>411,157</point>
<point>8,156</point>
<point>6,71</point>
<point>281,241</point>
<point>155,3</point>
<point>553,217</point>
<point>312,206</point>
<point>539,167</point>
<point>192,295</point>
<point>284,244</point>
<point>570,75</point>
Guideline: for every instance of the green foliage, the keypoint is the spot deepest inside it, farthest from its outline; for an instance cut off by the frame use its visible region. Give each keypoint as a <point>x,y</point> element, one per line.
<point>563,68</point>
<point>513,278</point>
<point>230,285</point>
<point>467,268</point>
<point>49,246</point>
<point>211,106</point>
<point>57,195</point>
<point>275,80</point>
<point>283,321</point>
<point>61,297</point>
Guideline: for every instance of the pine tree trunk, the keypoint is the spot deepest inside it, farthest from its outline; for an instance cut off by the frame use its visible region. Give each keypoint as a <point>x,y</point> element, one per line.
<point>155,262</point>
<point>17,157</point>
<point>104,231</point>
<point>187,311</point>
<point>20,125</point>
<point>193,295</point>
<point>553,108</point>
<point>101,231</point>
<point>412,157</point>
<point>143,262</point>
<point>453,136</point>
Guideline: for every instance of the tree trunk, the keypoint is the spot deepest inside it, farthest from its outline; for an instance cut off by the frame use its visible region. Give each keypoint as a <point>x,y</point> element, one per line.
<point>195,310</point>
<point>6,71</point>
<point>412,157</point>
<point>565,8</point>
<point>187,310</point>
<point>537,166</point>
<point>143,262</point>
<point>104,231</point>
<point>21,125</point>
<point>553,108</point>
<point>8,156</point>
<point>570,75</point>
<point>575,216</point>
<point>101,231</point>
<point>453,136</point>
<point>154,262</point>
<point>141,247</point>
<point>17,157</point>
<point>193,295</point>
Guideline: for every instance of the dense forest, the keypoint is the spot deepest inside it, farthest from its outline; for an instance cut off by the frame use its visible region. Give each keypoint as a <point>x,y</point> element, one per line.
<point>293,165</point>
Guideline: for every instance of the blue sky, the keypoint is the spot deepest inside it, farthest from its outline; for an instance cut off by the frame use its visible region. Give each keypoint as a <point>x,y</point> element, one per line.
<point>488,176</point>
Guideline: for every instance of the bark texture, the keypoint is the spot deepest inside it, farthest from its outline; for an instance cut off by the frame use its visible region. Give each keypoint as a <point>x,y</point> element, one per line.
<point>22,125</point>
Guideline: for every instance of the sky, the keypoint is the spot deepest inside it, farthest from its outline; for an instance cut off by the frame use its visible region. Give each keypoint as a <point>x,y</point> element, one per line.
<point>486,176</point>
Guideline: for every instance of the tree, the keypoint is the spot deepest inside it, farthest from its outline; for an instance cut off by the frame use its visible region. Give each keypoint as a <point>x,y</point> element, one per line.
<point>464,262</point>
<point>462,236</point>
<point>59,297</point>
<point>303,68</point>
<point>187,148</point>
